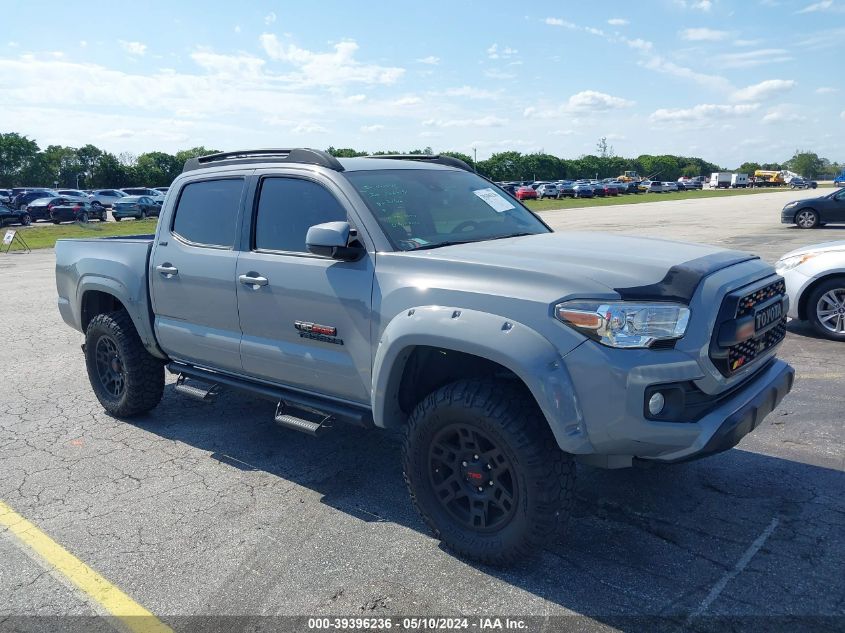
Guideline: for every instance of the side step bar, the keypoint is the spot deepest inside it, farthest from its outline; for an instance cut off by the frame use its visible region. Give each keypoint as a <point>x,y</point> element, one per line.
<point>194,391</point>
<point>300,423</point>
<point>313,406</point>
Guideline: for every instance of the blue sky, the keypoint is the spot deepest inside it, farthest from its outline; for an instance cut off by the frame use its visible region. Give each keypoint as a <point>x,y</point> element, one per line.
<point>727,80</point>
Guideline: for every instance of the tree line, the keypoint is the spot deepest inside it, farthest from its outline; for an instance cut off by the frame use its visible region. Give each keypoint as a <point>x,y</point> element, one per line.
<point>24,163</point>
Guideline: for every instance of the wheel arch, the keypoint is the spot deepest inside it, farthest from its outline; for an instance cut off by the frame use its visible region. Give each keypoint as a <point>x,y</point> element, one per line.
<point>474,344</point>
<point>808,290</point>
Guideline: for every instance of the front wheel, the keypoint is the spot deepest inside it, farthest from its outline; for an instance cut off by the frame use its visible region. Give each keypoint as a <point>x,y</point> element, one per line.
<point>26,220</point>
<point>826,309</point>
<point>485,472</point>
<point>807,219</point>
<point>143,215</point>
<point>83,218</point>
<point>126,378</point>
<point>104,216</point>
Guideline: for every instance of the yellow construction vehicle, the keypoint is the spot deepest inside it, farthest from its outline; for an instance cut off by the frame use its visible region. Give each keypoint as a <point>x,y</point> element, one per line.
<point>629,176</point>
<point>767,178</point>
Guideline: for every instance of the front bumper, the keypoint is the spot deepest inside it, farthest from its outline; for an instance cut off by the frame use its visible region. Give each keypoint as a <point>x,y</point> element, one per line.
<point>787,216</point>
<point>747,414</point>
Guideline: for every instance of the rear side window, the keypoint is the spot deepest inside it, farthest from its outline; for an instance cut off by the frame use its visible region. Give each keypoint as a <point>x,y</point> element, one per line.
<point>207,212</point>
<point>287,208</point>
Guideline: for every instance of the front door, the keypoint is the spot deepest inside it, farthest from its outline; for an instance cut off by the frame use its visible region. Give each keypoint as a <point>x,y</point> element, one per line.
<point>192,276</point>
<point>305,319</point>
<point>835,208</point>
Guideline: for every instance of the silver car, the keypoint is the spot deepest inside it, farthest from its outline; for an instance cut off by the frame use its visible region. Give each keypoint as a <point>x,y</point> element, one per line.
<point>547,190</point>
<point>815,284</point>
<point>106,197</point>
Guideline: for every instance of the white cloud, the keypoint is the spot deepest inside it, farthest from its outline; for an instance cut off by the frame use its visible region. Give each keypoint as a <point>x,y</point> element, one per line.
<point>592,101</point>
<point>308,127</point>
<point>242,65</point>
<point>826,90</point>
<point>354,99</point>
<point>560,22</point>
<point>83,43</point>
<point>270,18</point>
<point>133,48</point>
<point>741,42</point>
<point>405,101</point>
<point>617,21</point>
<point>494,52</point>
<point>703,35</point>
<point>369,129</point>
<point>563,132</point>
<point>495,73</point>
<point>764,90</point>
<point>639,44</point>
<point>329,69</point>
<point>485,121</point>
<point>824,5</point>
<point>471,93</point>
<point>754,58</point>
<point>700,5</point>
<point>431,60</point>
<point>702,113</point>
<point>237,28</point>
<point>783,114</point>
<point>659,64</point>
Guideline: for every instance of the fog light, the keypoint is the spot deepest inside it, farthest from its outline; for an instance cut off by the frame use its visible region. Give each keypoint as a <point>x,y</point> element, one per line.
<point>656,403</point>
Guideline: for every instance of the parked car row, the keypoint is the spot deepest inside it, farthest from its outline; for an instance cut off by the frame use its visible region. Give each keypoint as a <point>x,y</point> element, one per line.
<point>585,188</point>
<point>22,197</point>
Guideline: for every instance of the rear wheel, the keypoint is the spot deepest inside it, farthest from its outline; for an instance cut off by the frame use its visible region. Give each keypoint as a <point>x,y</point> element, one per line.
<point>826,308</point>
<point>485,472</point>
<point>143,215</point>
<point>26,220</point>
<point>83,217</point>
<point>117,218</point>
<point>104,216</point>
<point>126,378</point>
<point>807,219</point>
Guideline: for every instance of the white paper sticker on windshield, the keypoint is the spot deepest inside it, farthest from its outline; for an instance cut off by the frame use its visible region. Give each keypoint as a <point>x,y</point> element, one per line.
<point>492,198</point>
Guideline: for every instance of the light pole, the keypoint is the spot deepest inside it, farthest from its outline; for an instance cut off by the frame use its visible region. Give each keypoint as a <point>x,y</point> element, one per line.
<point>475,159</point>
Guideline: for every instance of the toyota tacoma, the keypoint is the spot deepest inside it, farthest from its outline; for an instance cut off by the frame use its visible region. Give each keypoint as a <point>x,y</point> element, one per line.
<point>409,292</point>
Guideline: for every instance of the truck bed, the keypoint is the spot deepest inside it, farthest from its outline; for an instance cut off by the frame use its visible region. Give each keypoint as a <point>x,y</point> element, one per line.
<point>113,265</point>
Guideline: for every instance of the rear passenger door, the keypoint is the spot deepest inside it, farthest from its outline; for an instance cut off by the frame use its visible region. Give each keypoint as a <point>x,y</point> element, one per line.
<point>300,288</point>
<point>192,273</point>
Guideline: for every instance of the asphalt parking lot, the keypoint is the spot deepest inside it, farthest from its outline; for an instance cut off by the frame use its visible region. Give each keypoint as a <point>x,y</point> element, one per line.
<point>210,509</point>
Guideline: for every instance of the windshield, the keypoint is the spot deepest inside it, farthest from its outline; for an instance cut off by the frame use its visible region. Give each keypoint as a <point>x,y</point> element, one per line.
<point>427,208</point>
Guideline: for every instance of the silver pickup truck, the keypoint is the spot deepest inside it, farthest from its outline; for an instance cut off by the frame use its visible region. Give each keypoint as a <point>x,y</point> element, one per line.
<point>408,291</point>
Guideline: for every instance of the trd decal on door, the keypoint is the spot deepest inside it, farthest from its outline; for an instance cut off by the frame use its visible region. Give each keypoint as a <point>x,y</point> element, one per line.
<point>316,332</point>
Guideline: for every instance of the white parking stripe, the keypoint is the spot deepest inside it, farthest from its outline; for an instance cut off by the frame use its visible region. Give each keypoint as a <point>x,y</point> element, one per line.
<point>741,564</point>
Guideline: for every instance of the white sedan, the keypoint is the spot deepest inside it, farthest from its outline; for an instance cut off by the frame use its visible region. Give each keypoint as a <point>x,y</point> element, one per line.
<point>815,283</point>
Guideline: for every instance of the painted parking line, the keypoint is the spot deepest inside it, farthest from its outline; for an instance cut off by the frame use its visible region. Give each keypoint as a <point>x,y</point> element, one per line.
<point>131,615</point>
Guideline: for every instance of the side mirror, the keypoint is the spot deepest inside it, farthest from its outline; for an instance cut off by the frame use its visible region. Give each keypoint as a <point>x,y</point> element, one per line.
<point>331,239</point>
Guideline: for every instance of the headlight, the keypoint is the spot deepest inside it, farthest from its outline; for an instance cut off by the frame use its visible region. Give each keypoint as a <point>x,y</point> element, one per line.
<point>624,324</point>
<point>789,205</point>
<point>788,263</point>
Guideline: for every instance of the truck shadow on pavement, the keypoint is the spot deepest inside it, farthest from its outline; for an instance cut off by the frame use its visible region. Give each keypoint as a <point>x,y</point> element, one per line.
<point>644,542</point>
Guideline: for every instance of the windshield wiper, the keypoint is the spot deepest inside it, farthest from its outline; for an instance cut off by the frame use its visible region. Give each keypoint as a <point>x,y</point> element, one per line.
<point>504,237</point>
<point>439,244</point>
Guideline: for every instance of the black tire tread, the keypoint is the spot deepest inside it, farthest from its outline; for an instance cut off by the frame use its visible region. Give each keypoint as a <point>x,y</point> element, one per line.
<point>516,413</point>
<point>836,281</point>
<point>145,373</point>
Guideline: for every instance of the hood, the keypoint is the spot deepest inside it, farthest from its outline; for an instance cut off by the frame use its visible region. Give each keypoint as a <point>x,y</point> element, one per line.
<point>817,248</point>
<point>634,267</point>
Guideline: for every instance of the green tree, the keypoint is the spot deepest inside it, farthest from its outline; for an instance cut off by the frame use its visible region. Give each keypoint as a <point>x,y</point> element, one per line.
<point>749,168</point>
<point>18,156</point>
<point>108,172</point>
<point>503,166</point>
<point>345,152</point>
<point>807,164</point>
<point>156,169</point>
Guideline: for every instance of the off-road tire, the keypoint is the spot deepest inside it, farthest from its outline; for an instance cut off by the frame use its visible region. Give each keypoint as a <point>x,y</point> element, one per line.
<point>544,476</point>
<point>143,372</point>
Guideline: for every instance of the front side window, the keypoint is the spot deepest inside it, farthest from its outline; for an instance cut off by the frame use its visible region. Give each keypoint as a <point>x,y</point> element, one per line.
<point>427,208</point>
<point>287,208</point>
<point>207,212</point>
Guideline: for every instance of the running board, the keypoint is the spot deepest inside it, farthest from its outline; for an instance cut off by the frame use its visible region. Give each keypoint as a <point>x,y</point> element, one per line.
<point>320,409</point>
<point>192,391</point>
<point>301,424</point>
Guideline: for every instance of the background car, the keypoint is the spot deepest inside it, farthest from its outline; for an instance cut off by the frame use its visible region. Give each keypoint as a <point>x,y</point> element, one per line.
<point>163,190</point>
<point>5,196</point>
<point>138,207</point>
<point>802,183</point>
<point>525,193</point>
<point>14,216</point>
<point>565,189</point>
<point>77,211</point>
<point>651,186</point>
<point>546,190</point>
<point>143,191</point>
<point>815,284</point>
<point>582,190</point>
<point>670,186</point>
<point>75,193</point>
<point>40,209</point>
<point>106,197</point>
<point>813,212</point>
<point>22,200</point>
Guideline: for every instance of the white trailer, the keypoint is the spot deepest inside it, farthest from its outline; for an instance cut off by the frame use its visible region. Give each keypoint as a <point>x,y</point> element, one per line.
<point>739,181</point>
<point>720,180</point>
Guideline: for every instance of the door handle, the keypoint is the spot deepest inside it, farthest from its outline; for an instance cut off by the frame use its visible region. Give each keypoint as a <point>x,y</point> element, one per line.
<point>249,280</point>
<point>167,270</point>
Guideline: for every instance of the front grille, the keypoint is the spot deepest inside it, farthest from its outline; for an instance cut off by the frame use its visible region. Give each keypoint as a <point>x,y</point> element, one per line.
<point>749,302</point>
<point>737,311</point>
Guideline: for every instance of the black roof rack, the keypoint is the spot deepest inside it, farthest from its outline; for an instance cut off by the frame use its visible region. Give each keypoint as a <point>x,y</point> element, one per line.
<point>294,155</point>
<point>449,161</point>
